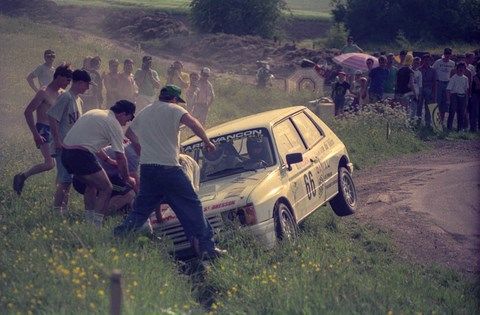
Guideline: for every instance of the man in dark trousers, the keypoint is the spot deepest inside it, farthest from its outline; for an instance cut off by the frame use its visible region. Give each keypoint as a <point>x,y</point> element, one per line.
<point>156,131</point>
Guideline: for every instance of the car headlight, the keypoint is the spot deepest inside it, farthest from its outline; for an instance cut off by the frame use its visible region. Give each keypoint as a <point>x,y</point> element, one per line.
<point>245,215</point>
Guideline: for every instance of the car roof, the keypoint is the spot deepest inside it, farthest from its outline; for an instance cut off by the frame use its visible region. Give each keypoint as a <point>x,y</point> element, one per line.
<point>260,120</point>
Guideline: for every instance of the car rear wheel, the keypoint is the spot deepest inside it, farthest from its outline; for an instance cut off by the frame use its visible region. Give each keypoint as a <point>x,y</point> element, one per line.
<point>286,227</point>
<point>345,202</point>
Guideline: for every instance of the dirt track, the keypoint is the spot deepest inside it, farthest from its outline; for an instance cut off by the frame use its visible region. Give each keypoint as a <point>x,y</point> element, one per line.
<point>429,203</point>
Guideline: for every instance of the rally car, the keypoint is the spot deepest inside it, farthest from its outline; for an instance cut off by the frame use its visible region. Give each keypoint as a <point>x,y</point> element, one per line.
<point>268,173</point>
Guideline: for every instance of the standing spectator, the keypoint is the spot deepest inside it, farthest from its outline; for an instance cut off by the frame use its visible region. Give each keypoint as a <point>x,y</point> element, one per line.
<point>85,140</point>
<point>417,87</point>
<point>62,115</point>
<point>457,90</point>
<point>470,61</point>
<point>264,75</point>
<point>475,100</point>
<point>205,96</point>
<point>192,92</point>
<point>147,81</point>
<point>156,131</point>
<point>443,68</point>
<point>378,76</point>
<point>44,72</point>
<point>40,104</point>
<point>351,47</point>
<point>127,87</point>
<point>111,81</point>
<point>176,76</point>
<point>401,58</point>
<point>369,64</point>
<point>339,89</point>
<point>429,78</point>
<point>356,88</point>
<point>389,86</point>
<point>86,63</point>
<point>93,98</point>
<point>404,87</point>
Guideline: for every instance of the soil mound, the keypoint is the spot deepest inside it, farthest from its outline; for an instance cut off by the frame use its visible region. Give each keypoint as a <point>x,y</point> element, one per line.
<point>142,26</point>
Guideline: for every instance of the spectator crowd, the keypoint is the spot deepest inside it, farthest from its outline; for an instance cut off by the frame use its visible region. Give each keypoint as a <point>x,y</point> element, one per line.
<point>416,82</point>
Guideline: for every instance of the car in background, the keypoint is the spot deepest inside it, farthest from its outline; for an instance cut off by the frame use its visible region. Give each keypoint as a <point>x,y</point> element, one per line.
<point>268,173</point>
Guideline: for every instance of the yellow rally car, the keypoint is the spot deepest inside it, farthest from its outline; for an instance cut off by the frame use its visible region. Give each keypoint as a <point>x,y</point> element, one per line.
<point>268,173</point>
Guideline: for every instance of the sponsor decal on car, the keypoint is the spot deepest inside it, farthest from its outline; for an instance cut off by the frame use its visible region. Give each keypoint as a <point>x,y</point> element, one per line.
<point>252,133</point>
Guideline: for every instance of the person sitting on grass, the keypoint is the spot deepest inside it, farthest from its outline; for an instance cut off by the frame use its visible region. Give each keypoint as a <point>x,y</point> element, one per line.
<point>92,132</point>
<point>339,89</point>
<point>40,104</point>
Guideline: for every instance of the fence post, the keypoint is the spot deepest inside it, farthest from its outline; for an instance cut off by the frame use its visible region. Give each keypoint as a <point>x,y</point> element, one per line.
<point>116,292</point>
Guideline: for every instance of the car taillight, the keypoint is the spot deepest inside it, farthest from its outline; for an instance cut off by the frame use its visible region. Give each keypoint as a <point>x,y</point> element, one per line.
<point>244,215</point>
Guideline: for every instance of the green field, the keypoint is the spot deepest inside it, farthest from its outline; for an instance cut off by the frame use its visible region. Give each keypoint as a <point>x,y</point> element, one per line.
<point>301,8</point>
<point>55,265</point>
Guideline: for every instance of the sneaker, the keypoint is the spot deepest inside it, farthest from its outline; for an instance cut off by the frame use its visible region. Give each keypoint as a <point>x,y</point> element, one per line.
<point>214,254</point>
<point>18,182</point>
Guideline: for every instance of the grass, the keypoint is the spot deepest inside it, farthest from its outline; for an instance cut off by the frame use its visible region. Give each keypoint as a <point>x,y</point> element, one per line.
<point>299,8</point>
<point>55,265</point>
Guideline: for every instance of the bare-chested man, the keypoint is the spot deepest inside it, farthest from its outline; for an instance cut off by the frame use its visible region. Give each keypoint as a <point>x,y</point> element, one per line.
<point>43,100</point>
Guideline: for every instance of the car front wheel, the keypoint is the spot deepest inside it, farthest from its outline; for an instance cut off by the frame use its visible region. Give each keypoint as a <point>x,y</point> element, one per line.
<point>286,227</point>
<point>345,202</point>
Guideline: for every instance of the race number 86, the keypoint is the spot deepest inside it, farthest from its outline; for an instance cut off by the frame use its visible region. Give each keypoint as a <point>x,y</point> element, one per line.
<point>310,185</point>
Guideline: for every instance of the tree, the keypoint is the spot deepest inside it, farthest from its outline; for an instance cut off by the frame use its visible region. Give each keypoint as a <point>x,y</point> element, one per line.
<point>240,17</point>
<point>434,20</point>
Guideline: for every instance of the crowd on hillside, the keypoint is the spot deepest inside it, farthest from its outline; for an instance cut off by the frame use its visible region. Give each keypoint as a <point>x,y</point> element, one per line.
<point>98,143</point>
<point>416,82</point>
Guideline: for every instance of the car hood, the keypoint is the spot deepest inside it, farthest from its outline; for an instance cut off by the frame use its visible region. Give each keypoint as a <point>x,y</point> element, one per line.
<point>222,194</point>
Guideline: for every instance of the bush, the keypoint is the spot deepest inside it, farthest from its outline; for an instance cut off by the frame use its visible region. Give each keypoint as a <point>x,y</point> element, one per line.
<point>336,36</point>
<point>434,20</point>
<point>240,17</point>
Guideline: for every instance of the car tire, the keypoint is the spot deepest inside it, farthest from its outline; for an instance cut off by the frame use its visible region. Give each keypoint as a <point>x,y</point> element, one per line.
<point>286,227</point>
<point>345,202</point>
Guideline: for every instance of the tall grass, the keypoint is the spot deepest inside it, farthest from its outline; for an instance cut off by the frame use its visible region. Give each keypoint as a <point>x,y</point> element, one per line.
<point>56,265</point>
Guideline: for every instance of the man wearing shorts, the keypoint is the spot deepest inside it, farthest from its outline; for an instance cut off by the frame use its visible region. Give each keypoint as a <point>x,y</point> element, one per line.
<point>40,104</point>
<point>62,115</point>
<point>122,193</point>
<point>84,142</point>
<point>156,132</point>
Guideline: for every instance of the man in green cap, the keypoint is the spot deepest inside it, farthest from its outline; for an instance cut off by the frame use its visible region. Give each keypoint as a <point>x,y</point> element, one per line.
<point>155,130</point>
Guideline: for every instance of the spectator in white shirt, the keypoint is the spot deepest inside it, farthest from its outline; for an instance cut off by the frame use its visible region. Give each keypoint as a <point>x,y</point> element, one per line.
<point>89,135</point>
<point>443,67</point>
<point>457,90</point>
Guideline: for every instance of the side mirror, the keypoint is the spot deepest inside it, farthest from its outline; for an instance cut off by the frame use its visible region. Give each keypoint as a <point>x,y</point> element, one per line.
<point>293,158</point>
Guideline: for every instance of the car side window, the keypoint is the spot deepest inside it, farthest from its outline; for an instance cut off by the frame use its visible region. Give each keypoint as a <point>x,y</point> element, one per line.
<point>287,138</point>
<point>309,131</point>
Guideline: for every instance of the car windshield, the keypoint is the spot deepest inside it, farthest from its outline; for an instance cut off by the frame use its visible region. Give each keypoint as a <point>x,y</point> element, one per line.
<point>243,151</point>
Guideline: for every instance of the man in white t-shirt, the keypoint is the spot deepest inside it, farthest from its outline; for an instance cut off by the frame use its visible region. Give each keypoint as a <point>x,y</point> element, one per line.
<point>84,142</point>
<point>44,72</point>
<point>443,68</point>
<point>457,91</point>
<point>156,131</point>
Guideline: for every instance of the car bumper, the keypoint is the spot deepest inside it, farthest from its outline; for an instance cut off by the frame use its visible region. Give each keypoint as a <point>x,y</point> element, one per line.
<point>264,232</point>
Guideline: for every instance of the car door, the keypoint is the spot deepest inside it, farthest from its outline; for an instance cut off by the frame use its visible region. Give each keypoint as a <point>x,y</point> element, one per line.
<point>302,185</point>
<point>317,154</point>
